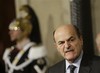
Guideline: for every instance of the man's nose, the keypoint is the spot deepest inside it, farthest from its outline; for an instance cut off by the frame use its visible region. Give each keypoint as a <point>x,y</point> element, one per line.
<point>67,44</point>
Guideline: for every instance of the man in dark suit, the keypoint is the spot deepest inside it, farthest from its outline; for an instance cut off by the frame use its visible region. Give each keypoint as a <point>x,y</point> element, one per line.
<point>69,43</point>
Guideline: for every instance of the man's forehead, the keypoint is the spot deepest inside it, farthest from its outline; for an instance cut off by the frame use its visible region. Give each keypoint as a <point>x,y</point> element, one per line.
<point>65,28</point>
<point>64,33</point>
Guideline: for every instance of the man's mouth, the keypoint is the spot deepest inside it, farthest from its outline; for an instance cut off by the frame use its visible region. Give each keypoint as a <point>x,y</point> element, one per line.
<point>68,50</point>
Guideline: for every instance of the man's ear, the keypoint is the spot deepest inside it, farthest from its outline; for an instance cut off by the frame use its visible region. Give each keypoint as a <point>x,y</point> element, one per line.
<point>81,38</point>
<point>55,45</point>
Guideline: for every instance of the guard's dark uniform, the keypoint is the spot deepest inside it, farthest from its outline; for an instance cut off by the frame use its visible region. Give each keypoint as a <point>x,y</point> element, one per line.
<point>29,60</point>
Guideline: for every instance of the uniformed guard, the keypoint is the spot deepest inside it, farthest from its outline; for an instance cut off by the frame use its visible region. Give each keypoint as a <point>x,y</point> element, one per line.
<point>25,56</point>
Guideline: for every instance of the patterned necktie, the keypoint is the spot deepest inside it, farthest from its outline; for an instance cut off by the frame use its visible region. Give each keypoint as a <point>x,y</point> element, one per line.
<point>72,68</point>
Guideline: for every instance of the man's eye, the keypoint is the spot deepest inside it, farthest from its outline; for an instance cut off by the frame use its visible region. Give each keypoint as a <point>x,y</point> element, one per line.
<point>59,43</point>
<point>72,39</point>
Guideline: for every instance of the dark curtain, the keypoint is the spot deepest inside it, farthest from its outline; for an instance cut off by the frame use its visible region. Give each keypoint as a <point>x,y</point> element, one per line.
<point>87,27</point>
<point>7,13</point>
<point>81,17</point>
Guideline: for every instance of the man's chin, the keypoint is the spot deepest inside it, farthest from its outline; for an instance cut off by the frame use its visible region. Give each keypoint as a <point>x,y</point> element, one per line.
<point>13,40</point>
<point>70,59</point>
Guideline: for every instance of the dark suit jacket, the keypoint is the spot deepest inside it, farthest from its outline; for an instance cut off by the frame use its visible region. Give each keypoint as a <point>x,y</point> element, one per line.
<point>88,65</point>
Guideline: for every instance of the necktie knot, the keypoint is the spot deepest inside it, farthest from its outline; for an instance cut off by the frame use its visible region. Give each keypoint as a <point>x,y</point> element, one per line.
<point>72,68</point>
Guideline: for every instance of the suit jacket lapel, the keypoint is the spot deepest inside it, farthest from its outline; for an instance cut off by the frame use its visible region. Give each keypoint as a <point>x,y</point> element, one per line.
<point>61,68</point>
<point>85,66</point>
<point>85,69</point>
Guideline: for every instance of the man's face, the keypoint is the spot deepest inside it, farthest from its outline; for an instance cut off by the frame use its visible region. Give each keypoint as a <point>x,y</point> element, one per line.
<point>98,42</point>
<point>15,34</point>
<point>68,43</point>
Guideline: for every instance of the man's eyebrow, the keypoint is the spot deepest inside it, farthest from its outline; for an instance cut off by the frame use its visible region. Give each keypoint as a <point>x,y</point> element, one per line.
<point>69,38</point>
<point>66,40</point>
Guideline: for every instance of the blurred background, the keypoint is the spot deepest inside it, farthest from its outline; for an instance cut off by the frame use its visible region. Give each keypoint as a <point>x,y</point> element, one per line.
<point>50,14</point>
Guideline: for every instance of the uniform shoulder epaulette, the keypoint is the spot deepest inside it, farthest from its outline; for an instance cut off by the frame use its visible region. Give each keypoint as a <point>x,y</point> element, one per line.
<point>37,52</point>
